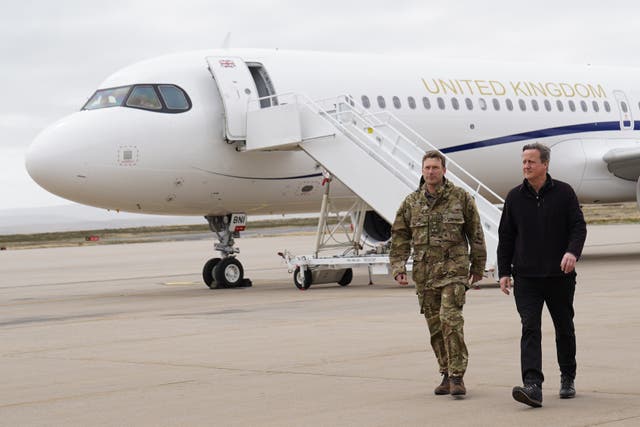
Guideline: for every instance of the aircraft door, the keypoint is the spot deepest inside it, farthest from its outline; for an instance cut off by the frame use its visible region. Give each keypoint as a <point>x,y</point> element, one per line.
<point>236,87</point>
<point>626,118</point>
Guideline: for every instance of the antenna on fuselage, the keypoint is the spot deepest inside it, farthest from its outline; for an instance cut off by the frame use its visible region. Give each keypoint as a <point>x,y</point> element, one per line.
<point>226,43</point>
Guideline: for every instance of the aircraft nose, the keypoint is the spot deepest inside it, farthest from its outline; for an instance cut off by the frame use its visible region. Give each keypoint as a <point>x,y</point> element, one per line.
<point>50,159</point>
<point>36,159</point>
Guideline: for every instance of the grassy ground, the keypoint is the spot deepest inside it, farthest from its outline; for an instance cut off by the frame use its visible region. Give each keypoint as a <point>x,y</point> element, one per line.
<point>130,235</point>
<point>594,214</point>
<point>611,213</point>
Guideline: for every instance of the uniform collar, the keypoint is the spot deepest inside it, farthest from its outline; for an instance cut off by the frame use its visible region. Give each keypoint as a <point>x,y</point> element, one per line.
<point>442,189</point>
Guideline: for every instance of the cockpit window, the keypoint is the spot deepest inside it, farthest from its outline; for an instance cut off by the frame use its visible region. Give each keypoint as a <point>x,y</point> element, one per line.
<point>107,98</point>
<point>173,97</point>
<point>162,98</point>
<point>144,97</point>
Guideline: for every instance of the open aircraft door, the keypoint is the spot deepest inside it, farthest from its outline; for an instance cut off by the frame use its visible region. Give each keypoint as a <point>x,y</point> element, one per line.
<point>236,87</point>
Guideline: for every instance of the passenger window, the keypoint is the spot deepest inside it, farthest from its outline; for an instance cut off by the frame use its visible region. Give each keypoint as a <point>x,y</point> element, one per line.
<point>583,106</point>
<point>469,104</point>
<point>365,101</point>
<point>174,98</point>
<point>623,106</point>
<point>455,104</point>
<point>534,105</point>
<point>426,103</point>
<point>522,104</point>
<point>547,105</point>
<point>596,107</point>
<point>107,98</point>
<point>572,105</point>
<point>607,107</point>
<point>381,102</point>
<point>412,102</point>
<point>560,105</point>
<point>496,104</point>
<point>509,104</point>
<point>396,102</point>
<point>483,103</point>
<point>440,103</point>
<point>144,97</point>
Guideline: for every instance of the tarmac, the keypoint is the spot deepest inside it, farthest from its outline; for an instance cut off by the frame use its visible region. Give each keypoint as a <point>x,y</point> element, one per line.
<point>128,335</point>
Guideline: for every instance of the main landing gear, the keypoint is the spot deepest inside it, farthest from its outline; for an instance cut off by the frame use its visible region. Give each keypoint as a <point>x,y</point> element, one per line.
<point>227,271</point>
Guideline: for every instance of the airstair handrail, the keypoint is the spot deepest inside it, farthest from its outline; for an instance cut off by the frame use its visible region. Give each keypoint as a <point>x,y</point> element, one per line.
<point>450,161</point>
<point>361,139</point>
<point>424,141</point>
<point>375,119</point>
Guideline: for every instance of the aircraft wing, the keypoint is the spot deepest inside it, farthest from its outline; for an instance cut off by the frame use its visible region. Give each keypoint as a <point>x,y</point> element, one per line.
<point>624,162</point>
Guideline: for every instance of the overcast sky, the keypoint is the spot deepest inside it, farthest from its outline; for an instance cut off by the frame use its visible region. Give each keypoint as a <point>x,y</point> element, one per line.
<point>54,53</point>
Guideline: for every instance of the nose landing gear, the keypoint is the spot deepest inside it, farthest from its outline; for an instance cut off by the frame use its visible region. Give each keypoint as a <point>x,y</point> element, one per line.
<point>207,272</point>
<point>227,271</point>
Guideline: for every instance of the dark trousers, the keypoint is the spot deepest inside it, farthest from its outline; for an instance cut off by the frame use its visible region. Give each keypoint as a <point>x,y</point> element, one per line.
<point>530,295</point>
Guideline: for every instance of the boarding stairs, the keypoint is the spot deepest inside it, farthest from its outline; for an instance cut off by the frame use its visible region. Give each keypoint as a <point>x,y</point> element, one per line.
<point>374,154</point>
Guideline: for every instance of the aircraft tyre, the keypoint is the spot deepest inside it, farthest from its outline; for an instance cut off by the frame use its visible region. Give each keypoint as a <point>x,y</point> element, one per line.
<point>207,272</point>
<point>302,281</point>
<point>229,273</point>
<point>347,277</point>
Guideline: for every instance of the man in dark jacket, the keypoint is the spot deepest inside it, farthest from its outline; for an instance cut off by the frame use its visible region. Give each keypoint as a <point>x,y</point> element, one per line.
<point>542,232</point>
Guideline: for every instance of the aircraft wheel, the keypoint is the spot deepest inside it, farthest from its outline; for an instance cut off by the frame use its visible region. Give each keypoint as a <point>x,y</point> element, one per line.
<point>207,272</point>
<point>228,273</point>
<point>302,281</point>
<point>347,277</point>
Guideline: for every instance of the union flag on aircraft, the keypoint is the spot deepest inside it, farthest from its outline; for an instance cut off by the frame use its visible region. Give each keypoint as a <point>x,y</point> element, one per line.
<point>227,63</point>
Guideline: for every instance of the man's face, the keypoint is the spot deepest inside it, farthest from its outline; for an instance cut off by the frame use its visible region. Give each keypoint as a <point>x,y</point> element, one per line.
<point>532,167</point>
<point>432,171</point>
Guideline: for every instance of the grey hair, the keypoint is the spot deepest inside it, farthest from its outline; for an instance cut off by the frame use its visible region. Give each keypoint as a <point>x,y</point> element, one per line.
<point>545,152</point>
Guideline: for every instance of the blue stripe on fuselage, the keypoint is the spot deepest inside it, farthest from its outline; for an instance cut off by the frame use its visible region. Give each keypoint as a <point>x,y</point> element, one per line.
<point>541,133</point>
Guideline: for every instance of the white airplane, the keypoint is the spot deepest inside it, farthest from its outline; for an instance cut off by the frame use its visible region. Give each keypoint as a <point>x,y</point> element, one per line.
<point>168,135</point>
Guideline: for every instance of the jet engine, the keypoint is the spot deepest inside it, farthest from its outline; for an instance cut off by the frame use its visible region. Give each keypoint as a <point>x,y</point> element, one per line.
<point>376,230</point>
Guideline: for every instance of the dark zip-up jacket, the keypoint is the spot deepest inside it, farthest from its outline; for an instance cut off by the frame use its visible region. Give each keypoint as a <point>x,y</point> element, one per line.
<point>536,230</point>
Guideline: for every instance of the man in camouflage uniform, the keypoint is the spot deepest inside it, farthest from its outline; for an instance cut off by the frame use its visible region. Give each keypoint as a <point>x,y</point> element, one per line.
<point>440,221</point>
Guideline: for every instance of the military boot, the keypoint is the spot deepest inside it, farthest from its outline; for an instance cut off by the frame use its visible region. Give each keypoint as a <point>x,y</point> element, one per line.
<point>567,388</point>
<point>443,388</point>
<point>456,386</point>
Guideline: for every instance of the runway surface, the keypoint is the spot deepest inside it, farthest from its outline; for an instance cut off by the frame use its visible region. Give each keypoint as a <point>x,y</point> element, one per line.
<point>128,335</point>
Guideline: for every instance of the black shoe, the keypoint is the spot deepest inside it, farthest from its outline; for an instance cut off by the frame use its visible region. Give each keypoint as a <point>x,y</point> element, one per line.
<point>567,388</point>
<point>529,394</point>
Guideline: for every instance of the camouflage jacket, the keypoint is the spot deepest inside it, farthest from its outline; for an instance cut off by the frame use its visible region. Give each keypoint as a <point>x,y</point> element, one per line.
<point>440,235</point>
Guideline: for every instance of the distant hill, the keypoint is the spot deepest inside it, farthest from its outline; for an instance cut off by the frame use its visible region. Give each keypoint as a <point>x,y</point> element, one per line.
<point>77,217</point>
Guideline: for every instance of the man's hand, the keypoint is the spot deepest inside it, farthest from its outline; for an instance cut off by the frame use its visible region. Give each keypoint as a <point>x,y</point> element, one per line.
<point>401,278</point>
<point>505,284</point>
<point>568,263</point>
<point>473,278</point>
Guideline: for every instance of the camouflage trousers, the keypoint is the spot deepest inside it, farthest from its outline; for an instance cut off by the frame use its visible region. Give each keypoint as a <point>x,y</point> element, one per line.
<point>442,307</point>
